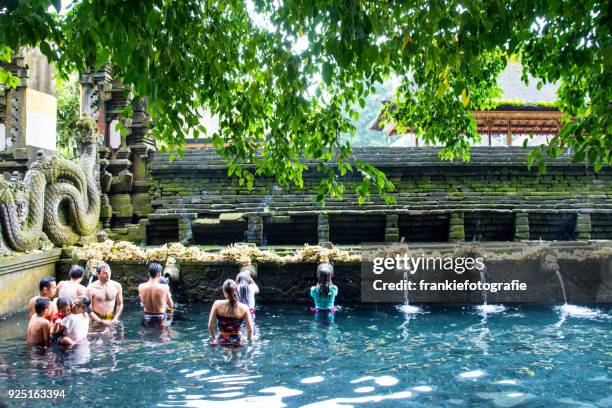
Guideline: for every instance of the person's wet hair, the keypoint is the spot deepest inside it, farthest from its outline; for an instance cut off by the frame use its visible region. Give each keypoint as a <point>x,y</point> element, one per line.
<point>325,272</point>
<point>244,290</point>
<point>46,282</point>
<point>231,290</point>
<point>101,266</point>
<point>63,302</point>
<point>42,304</point>
<point>84,301</point>
<point>76,272</point>
<point>250,269</point>
<point>155,269</point>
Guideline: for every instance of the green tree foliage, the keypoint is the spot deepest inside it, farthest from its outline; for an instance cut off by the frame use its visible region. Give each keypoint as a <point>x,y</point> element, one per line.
<point>240,60</point>
<point>67,117</point>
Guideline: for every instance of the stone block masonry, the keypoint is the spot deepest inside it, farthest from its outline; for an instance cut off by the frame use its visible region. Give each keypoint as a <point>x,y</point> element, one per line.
<point>494,197</point>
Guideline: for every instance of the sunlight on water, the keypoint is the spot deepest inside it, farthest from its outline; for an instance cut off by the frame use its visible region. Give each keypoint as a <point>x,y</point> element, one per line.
<point>341,402</point>
<point>312,380</point>
<point>272,401</point>
<point>472,374</point>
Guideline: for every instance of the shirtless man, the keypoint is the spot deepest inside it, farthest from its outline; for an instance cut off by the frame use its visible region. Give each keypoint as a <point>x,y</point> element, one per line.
<point>47,288</point>
<point>106,295</point>
<point>155,297</point>
<point>39,327</point>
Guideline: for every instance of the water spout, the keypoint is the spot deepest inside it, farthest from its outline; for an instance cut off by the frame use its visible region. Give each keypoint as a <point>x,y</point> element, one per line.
<point>407,308</point>
<point>485,308</point>
<point>558,273</point>
<point>483,281</point>
<point>551,264</point>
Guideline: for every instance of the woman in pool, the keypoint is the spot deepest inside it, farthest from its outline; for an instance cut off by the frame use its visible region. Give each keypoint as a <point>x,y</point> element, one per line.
<point>325,292</point>
<point>247,288</point>
<point>230,315</point>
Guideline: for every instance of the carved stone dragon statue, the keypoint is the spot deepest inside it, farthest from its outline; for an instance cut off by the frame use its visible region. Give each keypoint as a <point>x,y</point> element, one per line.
<point>58,199</point>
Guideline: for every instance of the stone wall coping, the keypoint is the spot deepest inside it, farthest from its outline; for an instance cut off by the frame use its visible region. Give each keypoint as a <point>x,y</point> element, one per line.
<point>28,260</point>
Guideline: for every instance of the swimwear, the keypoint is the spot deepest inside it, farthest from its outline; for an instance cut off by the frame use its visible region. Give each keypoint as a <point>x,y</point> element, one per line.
<point>156,319</point>
<point>229,331</point>
<point>108,316</point>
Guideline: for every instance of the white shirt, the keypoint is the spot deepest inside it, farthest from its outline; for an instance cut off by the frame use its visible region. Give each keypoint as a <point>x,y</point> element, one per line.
<point>251,299</point>
<point>77,326</point>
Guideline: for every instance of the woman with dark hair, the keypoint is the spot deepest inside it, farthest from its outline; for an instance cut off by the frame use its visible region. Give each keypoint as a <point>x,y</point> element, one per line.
<point>72,288</point>
<point>325,292</point>
<point>247,288</point>
<point>230,315</point>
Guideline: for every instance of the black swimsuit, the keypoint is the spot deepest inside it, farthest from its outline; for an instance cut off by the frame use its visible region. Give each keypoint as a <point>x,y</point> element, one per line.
<point>229,331</point>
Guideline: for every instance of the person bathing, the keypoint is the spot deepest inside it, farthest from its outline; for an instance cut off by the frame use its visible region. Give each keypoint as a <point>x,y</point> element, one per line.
<point>230,315</point>
<point>72,288</point>
<point>106,295</point>
<point>75,326</point>
<point>155,297</point>
<point>247,288</point>
<point>63,310</point>
<point>325,292</point>
<point>39,326</point>
<point>47,288</point>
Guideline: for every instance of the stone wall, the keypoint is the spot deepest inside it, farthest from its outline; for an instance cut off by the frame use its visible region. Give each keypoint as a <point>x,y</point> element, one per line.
<point>586,270</point>
<point>20,275</point>
<point>494,197</point>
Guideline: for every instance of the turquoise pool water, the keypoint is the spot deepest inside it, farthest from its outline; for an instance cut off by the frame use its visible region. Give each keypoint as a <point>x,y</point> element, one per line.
<point>454,356</point>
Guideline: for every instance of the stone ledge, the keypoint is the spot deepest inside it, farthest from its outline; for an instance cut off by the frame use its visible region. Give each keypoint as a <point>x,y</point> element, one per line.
<point>9,264</point>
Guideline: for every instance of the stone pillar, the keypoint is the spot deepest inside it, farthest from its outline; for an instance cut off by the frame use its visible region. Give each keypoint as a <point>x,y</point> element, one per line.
<point>121,204</point>
<point>456,231</point>
<point>583,226</point>
<point>323,228</point>
<point>254,233</point>
<point>521,226</point>
<point>391,230</point>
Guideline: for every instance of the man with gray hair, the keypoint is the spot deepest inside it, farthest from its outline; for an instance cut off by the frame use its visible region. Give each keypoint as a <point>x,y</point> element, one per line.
<point>106,295</point>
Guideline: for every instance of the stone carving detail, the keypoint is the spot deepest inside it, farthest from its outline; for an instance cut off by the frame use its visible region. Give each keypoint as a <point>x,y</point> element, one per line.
<point>57,198</point>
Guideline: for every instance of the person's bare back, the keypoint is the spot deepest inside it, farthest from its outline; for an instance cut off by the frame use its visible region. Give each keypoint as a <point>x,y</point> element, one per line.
<point>39,327</point>
<point>155,296</point>
<point>39,331</point>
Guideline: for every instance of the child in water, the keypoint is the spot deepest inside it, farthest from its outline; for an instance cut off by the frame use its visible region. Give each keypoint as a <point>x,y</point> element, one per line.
<point>76,325</point>
<point>247,288</point>
<point>39,327</point>
<point>63,310</point>
<point>325,292</point>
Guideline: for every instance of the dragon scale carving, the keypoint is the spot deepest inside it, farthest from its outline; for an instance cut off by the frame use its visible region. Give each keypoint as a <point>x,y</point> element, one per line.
<point>58,198</point>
